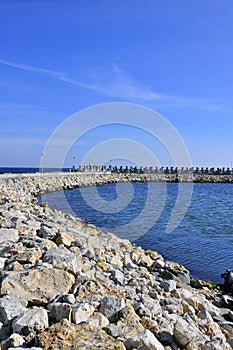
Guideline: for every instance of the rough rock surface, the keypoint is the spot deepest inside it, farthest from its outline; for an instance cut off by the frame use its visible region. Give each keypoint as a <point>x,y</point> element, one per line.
<point>67,285</point>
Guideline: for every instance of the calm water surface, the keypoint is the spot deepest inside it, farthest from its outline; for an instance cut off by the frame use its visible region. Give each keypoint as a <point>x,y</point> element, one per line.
<point>203,241</point>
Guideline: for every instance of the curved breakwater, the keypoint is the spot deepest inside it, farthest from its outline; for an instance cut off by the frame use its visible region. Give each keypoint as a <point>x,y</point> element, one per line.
<point>64,283</point>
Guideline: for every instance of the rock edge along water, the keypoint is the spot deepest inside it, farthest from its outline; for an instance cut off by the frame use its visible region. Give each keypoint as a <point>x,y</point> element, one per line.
<point>67,285</point>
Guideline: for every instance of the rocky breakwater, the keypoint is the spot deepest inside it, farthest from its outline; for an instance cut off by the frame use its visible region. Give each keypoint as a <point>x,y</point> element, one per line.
<point>67,285</point>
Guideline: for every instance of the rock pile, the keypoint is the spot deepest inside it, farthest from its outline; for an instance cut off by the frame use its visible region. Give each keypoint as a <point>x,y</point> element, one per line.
<point>67,285</point>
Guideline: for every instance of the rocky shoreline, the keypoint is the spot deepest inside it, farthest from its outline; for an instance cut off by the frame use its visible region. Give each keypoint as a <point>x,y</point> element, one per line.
<point>67,285</point>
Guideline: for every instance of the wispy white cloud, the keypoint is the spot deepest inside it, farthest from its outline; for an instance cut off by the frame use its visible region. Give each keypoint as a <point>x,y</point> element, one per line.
<point>117,83</point>
<point>50,73</point>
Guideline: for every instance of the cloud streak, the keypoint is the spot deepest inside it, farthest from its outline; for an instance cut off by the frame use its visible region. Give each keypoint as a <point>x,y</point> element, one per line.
<point>116,83</point>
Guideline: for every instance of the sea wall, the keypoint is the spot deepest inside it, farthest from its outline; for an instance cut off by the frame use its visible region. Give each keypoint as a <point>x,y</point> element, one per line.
<point>46,182</point>
<point>67,285</point>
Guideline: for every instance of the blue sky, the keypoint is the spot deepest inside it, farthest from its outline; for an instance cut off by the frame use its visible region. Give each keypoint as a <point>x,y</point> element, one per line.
<point>58,57</point>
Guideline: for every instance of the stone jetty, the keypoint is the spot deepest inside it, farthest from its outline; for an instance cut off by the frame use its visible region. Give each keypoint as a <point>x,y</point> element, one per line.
<point>67,285</point>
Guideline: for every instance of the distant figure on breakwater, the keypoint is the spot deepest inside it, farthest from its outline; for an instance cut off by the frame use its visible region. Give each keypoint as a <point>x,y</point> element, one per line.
<point>228,281</point>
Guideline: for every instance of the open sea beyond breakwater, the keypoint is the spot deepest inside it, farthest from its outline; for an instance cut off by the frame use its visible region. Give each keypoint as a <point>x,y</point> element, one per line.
<point>202,242</point>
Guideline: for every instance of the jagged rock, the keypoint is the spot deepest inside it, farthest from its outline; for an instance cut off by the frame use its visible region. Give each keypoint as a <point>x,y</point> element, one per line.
<point>230,342</point>
<point>15,340</point>
<point>27,256</point>
<point>116,261</point>
<point>81,312</point>
<point>185,333</point>
<point>216,344</point>
<point>34,242</point>
<point>2,263</point>
<point>227,328</point>
<point>113,330</point>
<point>25,229</point>
<point>98,320</point>
<point>168,285</point>
<point>151,306</point>
<point>199,303</point>
<point>118,277</point>
<point>140,258</point>
<point>64,238</point>
<point>33,284</point>
<point>162,328</point>
<point>10,307</point>
<point>60,311</point>
<point>62,258</point>
<point>31,322</point>
<point>110,306</point>
<point>128,264</point>
<point>69,298</point>
<point>158,263</point>
<point>65,335</point>
<point>129,323</point>
<point>46,232</point>
<point>143,341</point>
<point>8,235</point>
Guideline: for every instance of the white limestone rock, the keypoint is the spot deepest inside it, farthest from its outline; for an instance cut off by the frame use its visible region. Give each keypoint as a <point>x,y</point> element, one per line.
<point>144,341</point>
<point>10,307</point>
<point>29,323</point>
<point>8,235</point>
<point>82,312</point>
<point>15,340</point>
<point>110,306</point>
<point>62,258</point>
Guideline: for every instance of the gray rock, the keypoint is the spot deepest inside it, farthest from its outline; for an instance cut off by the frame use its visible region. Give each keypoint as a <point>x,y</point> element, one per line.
<point>2,262</point>
<point>88,252</point>
<point>168,285</point>
<point>81,312</point>
<point>158,263</point>
<point>13,341</point>
<point>216,344</point>
<point>230,342</point>
<point>113,330</point>
<point>45,232</point>
<point>69,298</point>
<point>144,341</point>
<point>118,277</point>
<point>133,282</point>
<point>10,307</point>
<point>185,333</point>
<point>152,305</point>
<point>60,311</point>
<point>110,306</point>
<point>8,234</point>
<point>62,258</point>
<point>31,322</point>
<point>129,265</point>
<point>34,242</point>
<point>4,331</point>
<point>98,320</point>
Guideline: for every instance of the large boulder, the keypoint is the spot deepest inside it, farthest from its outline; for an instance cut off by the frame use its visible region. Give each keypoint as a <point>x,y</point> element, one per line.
<point>39,285</point>
<point>77,337</point>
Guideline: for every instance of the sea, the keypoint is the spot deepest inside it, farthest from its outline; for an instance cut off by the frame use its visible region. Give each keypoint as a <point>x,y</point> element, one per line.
<point>202,241</point>
<point>11,170</point>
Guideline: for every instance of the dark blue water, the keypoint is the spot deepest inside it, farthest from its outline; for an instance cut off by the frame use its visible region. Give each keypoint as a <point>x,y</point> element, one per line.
<point>203,241</point>
<point>15,170</point>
